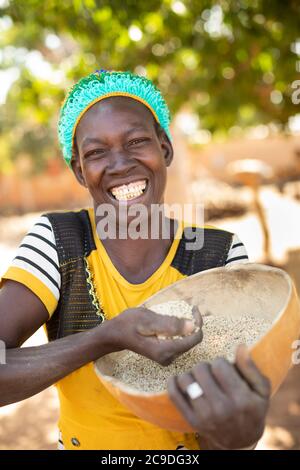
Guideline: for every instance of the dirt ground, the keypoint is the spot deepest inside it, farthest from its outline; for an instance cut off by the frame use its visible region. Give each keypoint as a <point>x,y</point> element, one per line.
<point>283,423</point>
<point>32,424</point>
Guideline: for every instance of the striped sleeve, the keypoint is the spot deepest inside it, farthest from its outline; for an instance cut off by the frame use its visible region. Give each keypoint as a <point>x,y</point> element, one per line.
<point>36,264</point>
<point>237,253</point>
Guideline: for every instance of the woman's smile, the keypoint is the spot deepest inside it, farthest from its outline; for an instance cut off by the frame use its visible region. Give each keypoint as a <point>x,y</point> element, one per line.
<point>130,190</point>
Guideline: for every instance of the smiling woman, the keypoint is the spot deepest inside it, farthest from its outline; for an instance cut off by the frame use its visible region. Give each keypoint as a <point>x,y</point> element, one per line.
<point>114,134</point>
<point>120,153</point>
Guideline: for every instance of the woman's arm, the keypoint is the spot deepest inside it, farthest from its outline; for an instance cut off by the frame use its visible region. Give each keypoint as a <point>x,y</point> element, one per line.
<point>30,370</point>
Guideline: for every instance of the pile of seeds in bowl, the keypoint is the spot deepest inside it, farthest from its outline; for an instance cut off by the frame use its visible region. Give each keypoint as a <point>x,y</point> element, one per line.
<point>221,335</point>
<point>175,308</point>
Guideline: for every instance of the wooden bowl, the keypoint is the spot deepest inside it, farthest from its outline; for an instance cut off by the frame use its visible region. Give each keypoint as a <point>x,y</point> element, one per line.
<point>260,289</point>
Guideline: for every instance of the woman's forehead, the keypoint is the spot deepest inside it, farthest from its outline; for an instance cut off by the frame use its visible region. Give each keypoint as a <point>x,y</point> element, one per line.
<point>119,111</point>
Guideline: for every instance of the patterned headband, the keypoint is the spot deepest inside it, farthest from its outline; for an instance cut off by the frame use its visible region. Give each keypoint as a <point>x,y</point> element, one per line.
<point>98,86</point>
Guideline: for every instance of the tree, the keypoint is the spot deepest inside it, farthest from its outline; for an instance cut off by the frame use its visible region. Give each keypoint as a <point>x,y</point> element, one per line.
<point>230,62</point>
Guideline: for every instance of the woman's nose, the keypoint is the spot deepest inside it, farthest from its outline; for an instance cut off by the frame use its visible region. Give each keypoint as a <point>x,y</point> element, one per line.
<point>120,163</point>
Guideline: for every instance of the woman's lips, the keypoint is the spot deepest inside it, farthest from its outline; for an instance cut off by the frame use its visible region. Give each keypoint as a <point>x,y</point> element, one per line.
<point>140,183</point>
<point>129,192</point>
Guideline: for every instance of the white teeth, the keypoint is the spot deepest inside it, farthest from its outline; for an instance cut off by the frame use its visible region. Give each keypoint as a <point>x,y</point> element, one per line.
<point>130,191</point>
<point>125,197</point>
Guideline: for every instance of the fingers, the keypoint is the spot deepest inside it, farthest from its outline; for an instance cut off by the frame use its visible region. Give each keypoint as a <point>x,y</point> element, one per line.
<point>200,411</point>
<point>180,401</point>
<point>154,324</point>
<point>198,317</point>
<point>248,370</point>
<point>181,345</point>
<point>228,412</point>
<point>228,378</point>
<point>203,375</point>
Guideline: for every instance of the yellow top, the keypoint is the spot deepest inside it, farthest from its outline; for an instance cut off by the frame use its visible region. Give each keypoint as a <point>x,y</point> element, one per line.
<point>89,415</point>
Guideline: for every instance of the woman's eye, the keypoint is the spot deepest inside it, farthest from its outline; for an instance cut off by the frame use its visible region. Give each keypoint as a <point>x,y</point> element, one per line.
<point>94,152</point>
<point>138,141</point>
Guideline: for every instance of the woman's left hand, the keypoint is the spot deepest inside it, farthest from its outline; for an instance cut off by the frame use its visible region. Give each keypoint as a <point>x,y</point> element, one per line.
<point>231,411</point>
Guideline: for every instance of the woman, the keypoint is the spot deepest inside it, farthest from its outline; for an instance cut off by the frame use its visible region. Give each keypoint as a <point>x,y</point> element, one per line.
<point>114,134</point>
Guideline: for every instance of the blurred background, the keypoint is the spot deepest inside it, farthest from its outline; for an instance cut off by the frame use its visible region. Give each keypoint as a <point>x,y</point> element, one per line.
<point>230,72</point>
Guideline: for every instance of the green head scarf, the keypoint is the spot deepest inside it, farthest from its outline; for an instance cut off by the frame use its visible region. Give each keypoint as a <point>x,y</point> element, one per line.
<point>98,86</point>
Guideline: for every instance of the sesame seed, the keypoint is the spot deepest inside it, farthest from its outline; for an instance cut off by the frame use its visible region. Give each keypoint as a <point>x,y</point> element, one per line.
<point>221,335</point>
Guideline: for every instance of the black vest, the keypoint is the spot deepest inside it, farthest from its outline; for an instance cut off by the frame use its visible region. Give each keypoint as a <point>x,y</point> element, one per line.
<point>78,308</point>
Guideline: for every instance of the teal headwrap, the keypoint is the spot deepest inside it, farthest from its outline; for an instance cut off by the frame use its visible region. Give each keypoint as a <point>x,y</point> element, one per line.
<point>100,85</point>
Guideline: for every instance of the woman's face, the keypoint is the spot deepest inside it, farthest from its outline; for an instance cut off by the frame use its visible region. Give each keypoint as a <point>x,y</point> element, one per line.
<point>120,154</point>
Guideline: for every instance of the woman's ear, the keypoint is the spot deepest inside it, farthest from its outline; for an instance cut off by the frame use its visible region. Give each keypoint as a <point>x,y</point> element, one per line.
<point>76,166</point>
<point>166,145</point>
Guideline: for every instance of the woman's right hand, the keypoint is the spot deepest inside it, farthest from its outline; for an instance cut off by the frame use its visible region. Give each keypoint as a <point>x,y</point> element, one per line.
<point>137,329</point>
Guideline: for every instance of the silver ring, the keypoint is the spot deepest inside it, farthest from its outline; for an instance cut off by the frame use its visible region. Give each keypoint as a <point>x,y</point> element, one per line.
<point>194,391</point>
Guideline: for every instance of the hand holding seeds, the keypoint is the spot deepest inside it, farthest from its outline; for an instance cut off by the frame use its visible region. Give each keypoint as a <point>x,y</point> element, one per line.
<point>179,309</point>
<point>138,330</point>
